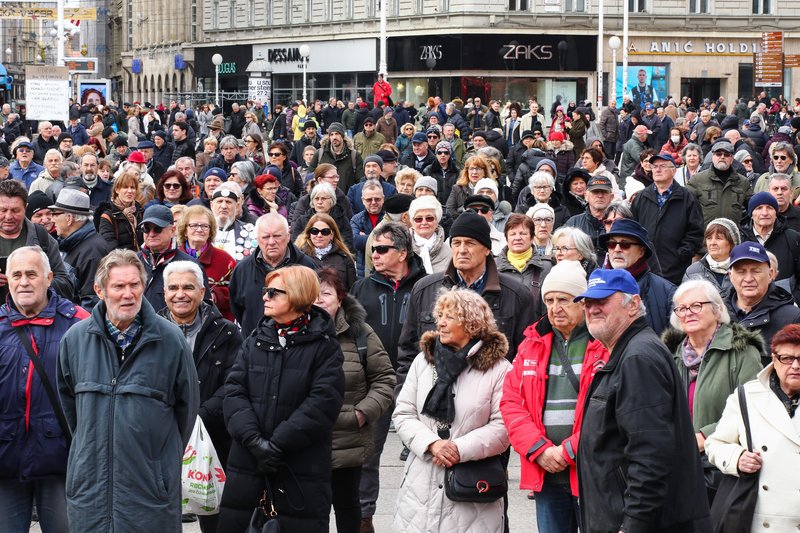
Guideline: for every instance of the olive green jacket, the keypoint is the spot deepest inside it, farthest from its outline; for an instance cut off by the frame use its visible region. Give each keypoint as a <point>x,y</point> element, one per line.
<point>718,199</point>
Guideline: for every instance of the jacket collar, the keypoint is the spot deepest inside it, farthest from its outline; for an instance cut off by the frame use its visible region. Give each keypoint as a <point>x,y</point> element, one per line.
<point>492,275</point>
<point>149,333</point>
<point>622,343</point>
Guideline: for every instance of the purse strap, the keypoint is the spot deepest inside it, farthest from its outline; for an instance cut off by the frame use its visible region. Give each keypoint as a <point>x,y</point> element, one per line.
<point>745,417</point>
<point>573,379</point>
<point>48,387</point>
<point>267,502</point>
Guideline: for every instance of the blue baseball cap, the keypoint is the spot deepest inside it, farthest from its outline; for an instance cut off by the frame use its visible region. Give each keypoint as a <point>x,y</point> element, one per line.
<point>605,282</point>
<point>419,137</point>
<point>216,171</point>
<point>749,251</point>
<point>662,156</point>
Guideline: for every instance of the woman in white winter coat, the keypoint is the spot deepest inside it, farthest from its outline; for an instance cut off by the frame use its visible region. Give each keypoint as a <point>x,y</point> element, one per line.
<point>448,412</point>
<point>772,406</point>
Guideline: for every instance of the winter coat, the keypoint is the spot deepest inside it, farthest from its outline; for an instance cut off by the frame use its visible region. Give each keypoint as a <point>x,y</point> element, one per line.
<point>367,146</point>
<point>338,261</point>
<point>304,202</point>
<point>129,422</point>
<point>154,288</point>
<point>524,397</point>
<point>25,175</point>
<point>675,151</point>
<point>630,158</point>
<point>676,229</point>
<point>290,396</point>
<point>354,194</point>
<point>403,144</point>
<point>338,215</point>
<point>300,147</point>
<point>609,125</point>
<point>247,280</point>
<point>82,251</point>
<point>115,228</point>
<point>564,158</point>
<point>387,129</point>
<point>361,228</point>
<point>445,178</point>
<point>733,358</point>
<point>349,164</point>
<point>477,431</point>
<point>218,265</point>
<point>257,206</point>
<point>440,253</point>
<point>638,466</point>
<point>576,134</point>
<point>33,443</point>
<point>657,294</point>
<point>588,224</point>
<point>531,277</point>
<point>775,435</point>
<point>387,305</point>
<point>758,137</point>
<point>784,242</point>
<point>570,201</point>
<point>701,270</point>
<point>720,199</point>
<point>524,170</point>
<point>367,389</point>
<point>455,202</point>
<point>410,160</point>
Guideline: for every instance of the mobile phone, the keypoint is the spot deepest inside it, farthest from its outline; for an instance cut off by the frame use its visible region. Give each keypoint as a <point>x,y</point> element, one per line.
<point>3,264</point>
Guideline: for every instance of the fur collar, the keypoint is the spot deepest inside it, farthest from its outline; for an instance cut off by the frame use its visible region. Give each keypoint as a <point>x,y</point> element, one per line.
<point>740,339</point>
<point>495,347</point>
<point>351,316</point>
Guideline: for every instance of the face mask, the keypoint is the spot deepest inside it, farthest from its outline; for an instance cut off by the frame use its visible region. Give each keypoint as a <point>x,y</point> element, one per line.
<point>676,139</point>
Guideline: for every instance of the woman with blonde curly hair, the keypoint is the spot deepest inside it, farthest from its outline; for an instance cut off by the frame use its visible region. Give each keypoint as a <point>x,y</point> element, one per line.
<point>475,168</point>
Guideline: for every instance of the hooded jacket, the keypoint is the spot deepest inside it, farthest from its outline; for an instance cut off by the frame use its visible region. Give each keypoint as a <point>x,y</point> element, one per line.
<point>349,164</point>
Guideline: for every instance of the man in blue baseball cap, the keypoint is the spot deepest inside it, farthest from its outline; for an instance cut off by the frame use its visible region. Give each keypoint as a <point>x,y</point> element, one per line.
<point>636,423</point>
<point>421,156</point>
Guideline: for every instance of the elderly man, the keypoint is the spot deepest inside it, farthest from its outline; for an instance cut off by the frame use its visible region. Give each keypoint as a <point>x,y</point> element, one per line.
<point>47,141</point>
<point>233,235</point>
<point>628,245</point>
<point>81,246</point>
<point>274,251</point>
<point>721,191</point>
<point>51,173</point>
<point>754,300</point>
<point>341,153</point>
<point>385,295</point>
<point>780,187</point>
<point>421,156</point>
<point>34,454</point>
<point>783,161</point>
<point>672,217</point>
<point>699,132</point>
<point>154,168</point>
<point>214,343</point>
<point>630,152</point>
<point>373,171</point>
<point>599,194</point>
<point>543,412</point>
<point>638,466</point>
<point>362,223</point>
<point>24,169</point>
<point>129,390</point>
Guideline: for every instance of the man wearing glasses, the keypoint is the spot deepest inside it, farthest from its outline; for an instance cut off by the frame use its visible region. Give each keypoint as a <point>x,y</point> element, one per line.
<point>783,161</point>
<point>672,217</point>
<point>721,192</point>
<point>24,169</point>
<point>599,194</point>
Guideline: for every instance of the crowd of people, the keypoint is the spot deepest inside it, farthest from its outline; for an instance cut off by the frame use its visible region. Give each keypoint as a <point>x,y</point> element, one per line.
<point>591,290</point>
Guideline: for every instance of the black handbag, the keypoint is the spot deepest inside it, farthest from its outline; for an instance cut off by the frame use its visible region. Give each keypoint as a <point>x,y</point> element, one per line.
<point>481,481</point>
<point>735,502</point>
<point>264,518</point>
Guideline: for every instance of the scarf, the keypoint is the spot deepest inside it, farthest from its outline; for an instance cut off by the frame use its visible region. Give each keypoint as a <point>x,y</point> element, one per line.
<point>322,252</point>
<point>789,403</point>
<point>194,253</point>
<point>425,246</point>
<point>519,261</point>
<point>719,267</point>
<point>691,359</point>
<point>448,365</point>
<point>297,325</point>
<point>155,259</point>
<point>129,212</point>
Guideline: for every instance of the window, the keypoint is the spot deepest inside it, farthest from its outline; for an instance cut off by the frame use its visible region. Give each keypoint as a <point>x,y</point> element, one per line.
<point>699,6</point>
<point>130,24</point>
<point>232,13</point>
<point>348,9</point>
<point>395,11</point>
<point>288,14</point>
<point>193,15</point>
<point>215,15</point>
<point>762,7</point>
<point>268,11</point>
<point>309,9</point>
<point>637,6</point>
<point>518,5</point>
<point>419,7</point>
<point>575,6</point>
<point>444,6</point>
<point>372,5</point>
<point>328,9</point>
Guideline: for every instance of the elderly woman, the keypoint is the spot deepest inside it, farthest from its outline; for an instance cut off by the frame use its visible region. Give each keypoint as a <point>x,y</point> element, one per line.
<point>692,156</point>
<point>278,153</point>
<point>202,159</point>
<point>543,191</point>
<point>772,400</point>
<point>721,236</point>
<point>573,191</point>
<point>197,229</point>
<point>368,393</point>
<point>543,217</point>
<point>405,179</point>
<point>712,354</point>
<point>254,149</point>
<point>448,412</point>
<point>709,138</point>
<point>573,244</point>
<point>323,200</point>
<point>322,241</point>
<point>134,126</point>
<point>643,173</point>
<point>120,218</point>
<point>282,397</point>
<point>243,173</point>
<point>475,169</point>
<point>250,125</point>
<point>172,188</point>
<point>429,241</point>
<point>519,259</point>
<point>268,194</point>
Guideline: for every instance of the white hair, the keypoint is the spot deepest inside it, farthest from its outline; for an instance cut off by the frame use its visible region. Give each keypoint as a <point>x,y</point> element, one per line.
<point>42,256</point>
<point>183,267</point>
<point>541,176</point>
<point>272,216</point>
<point>425,202</point>
<point>323,188</point>
<point>708,293</point>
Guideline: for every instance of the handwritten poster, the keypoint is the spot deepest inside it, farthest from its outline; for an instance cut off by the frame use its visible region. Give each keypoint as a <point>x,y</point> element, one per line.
<point>47,92</point>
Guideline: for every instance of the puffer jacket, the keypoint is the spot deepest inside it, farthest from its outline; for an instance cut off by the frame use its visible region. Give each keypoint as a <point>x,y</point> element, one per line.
<point>564,158</point>
<point>445,178</point>
<point>524,396</point>
<point>32,443</point>
<point>524,170</point>
<point>339,261</point>
<point>477,431</point>
<point>531,277</point>
<point>337,213</point>
<point>369,390</point>
<point>701,270</point>
<point>733,358</point>
<point>291,396</point>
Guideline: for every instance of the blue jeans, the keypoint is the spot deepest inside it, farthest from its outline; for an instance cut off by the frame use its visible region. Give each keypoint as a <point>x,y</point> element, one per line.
<point>557,509</point>
<point>16,505</point>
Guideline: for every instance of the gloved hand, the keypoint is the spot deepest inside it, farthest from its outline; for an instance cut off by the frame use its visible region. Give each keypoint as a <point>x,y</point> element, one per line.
<point>268,455</point>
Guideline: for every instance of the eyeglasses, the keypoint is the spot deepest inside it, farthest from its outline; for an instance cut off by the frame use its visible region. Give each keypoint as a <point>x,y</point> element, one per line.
<point>427,218</point>
<point>563,249</point>
<point>541,187</point>
<point>695,308</point>
<point>371,200</point>
<point>317,231</point>
<point>199,227</point>
<point>722,153</point>
<point>661,167</point>
<point>442,152</point>
<point>624,245</point>
<point>788,360</point>
<point>250,141</point>
<point>542,221</point>
<point>474,169</point>
<point>479,209</point>
<point>270,292</point>
<point>433,136</point>
<point>275,154</point>
<point>172,185</point>
<point>24,150</point>
<point>777,157</point>
<point>382,249</point>
<point>148,228</point>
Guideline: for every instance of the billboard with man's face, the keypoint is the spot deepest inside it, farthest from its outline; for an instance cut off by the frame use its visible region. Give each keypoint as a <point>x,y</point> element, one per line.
<point>647,84</point>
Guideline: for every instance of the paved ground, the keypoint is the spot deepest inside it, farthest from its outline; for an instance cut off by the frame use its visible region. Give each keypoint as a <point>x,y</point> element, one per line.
<point>521,510</point>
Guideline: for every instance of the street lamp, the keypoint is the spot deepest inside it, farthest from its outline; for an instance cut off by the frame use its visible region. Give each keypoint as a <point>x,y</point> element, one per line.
<point>305,51</point>
<point>614,43</point>
<point>600,10</point>
<point>217,60</point>
<point>624,46</point>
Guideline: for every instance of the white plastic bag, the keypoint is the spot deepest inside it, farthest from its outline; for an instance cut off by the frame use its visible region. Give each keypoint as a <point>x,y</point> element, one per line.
<point>202,477</point>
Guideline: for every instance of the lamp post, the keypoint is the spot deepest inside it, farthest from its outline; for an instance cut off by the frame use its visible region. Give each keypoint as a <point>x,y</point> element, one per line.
<point>382,59</point>
<point>613,43</point>
<point>217,60</point>
<point>305,51</point>
<point>624,47</point>
<point>600,56</point>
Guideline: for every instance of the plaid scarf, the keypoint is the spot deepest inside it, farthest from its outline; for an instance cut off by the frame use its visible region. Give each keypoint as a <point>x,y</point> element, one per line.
<point>124,337</point>
<point>691,359</point>
<point>789,403</point>
<point>155,260</point>
<point>299,324</point>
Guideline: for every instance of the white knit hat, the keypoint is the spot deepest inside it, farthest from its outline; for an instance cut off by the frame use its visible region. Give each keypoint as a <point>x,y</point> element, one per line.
<point>566,276</point>
<point>541,207</point>
<point>487,183</point>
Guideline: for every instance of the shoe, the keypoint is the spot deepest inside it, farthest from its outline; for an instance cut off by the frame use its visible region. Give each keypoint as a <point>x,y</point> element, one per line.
<point>404,453</point>
<point>188,517</point>
<point>531,495</point>
<point>366,526</point>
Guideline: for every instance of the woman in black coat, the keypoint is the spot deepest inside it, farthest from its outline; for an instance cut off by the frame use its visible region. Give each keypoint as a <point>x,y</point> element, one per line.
<point>282,398</point>
<point>321,240</point>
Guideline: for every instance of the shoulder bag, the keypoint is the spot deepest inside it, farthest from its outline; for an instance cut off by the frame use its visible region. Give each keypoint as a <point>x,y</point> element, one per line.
<point>265,517</point>
<point>481,481</point>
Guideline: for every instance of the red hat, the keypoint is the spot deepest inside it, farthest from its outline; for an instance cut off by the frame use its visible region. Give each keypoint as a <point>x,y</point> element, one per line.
<point>556,136</point>
<point>136,157</point>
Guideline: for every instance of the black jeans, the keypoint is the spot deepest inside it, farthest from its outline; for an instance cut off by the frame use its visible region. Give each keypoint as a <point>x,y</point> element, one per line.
<point>346,503</point>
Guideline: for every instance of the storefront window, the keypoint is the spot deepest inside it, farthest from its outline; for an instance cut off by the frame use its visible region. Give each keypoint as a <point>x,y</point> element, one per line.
<point>698,6</point>
<point>637,6</point>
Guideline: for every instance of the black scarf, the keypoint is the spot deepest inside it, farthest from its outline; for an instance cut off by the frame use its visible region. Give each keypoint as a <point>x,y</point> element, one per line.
<point>440,403</point>
<point>790,403</point>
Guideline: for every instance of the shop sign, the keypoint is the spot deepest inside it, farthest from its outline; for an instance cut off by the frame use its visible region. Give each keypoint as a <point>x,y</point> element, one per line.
<point>347,55</point>
<point>284,55</point>
<point>697,48</point>
<point>234,61</point>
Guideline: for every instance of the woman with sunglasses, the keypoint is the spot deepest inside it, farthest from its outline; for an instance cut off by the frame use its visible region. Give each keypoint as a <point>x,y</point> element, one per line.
<point>254,149</point>
<point>282,397</point>
<point>278,154</point>
<point>120,218</point>
<point>323,200</point>
<point>322,241</point>
<point>428,238</point>
<point>171,189</point>
<point>403,142</point>
<point>475,168</point>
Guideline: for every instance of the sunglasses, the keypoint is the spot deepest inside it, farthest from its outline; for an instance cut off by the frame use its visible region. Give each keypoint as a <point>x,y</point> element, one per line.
<point>480,209</point>
<point>270,292</point>
<point>427,218</point>
<point>148,228</point>
<point>275,154</point>
<point>624,245</point>
<point>317,231</point>
<point>382,249</point>
<point>780,157</point>
<point>433,136</point>
<point>721,153</point>
<point>442,152</point>
<point>172,185</point>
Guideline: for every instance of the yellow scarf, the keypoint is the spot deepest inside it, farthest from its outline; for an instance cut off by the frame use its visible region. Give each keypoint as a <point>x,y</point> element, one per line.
<point>519,260</point>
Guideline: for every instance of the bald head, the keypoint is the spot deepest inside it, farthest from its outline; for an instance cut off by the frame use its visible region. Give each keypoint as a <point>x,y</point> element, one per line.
<point>733,136</point>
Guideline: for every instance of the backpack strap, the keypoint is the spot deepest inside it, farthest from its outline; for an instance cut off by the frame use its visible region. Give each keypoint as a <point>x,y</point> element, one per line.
<point>361,346</point>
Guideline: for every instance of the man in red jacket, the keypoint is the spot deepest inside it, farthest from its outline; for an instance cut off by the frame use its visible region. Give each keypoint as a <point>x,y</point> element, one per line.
<point>381,90</point>
<point>543,397</point>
